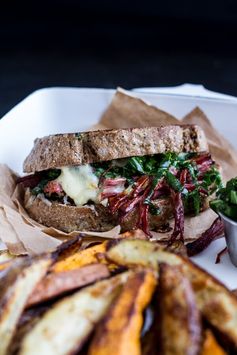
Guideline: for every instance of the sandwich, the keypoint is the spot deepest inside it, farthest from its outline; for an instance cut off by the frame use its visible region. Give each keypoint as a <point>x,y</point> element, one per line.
<point>137,178</point>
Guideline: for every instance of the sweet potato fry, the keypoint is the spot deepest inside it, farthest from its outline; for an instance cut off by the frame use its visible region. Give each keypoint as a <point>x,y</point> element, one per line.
<point>15,287</point>
<point>180,326</point>
<point>119,331</point>
<point>66,326</point>
<point>81,258</point>
<point>68,248</point>
<point>216,303</point>
<point>210,345</point>
<point>55,284</point>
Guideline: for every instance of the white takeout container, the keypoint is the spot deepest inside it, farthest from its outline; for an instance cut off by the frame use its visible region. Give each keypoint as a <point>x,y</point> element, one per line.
<point>61,110</point>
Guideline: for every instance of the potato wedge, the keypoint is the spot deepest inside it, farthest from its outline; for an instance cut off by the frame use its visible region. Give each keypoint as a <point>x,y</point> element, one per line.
<point>216,303</point>
<point>59,283</point>
<point>65,327</point>
<point>6,256</point>
<point>68,248</point>
<point>15,287</point>
<point>134,234</point>
<point>81,258</point>
<point>210,345</point>
<point>27,321</point>
<point>119,332</point>
<point>180,325</point>
<point>150,340</point>
<point>6,259</point>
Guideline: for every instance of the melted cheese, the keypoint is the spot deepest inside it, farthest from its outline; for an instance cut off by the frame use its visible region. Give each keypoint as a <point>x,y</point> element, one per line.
<point>79,183</point>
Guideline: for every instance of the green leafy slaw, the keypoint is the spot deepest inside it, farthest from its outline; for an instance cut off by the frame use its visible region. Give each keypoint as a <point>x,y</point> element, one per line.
<point>226,201</point>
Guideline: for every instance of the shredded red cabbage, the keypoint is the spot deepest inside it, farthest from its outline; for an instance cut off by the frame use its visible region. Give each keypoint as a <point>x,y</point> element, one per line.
<point>214,231</point>
<point>178,218</point>
<point>220,254</point>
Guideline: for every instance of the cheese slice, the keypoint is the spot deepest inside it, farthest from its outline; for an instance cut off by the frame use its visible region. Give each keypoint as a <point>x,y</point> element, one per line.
<point>79,183</point>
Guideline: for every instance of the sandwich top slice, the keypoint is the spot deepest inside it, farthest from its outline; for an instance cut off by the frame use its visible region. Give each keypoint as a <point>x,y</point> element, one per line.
<point>138,178</point>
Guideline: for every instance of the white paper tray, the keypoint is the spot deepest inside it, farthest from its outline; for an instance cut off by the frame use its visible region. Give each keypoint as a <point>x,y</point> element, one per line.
<point>59,110</point>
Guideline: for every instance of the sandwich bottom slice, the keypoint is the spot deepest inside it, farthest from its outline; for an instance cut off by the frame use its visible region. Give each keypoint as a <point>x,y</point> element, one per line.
<point>136,192</point>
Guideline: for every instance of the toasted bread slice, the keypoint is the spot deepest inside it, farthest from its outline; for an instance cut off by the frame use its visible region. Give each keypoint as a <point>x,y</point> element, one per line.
<point>88,217</point>
<point>69,218</point>
<point>91,147</point>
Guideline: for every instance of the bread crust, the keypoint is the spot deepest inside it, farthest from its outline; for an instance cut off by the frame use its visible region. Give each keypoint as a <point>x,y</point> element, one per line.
<point>88,218</point>
<point>69,218</point>
<point>60,150</point>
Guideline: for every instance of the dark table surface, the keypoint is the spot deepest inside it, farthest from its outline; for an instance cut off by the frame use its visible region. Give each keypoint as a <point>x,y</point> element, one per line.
<point>96,44</point>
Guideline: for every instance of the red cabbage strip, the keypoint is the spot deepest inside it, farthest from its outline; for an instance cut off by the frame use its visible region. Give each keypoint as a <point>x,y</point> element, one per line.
<point>113,182</point>
<point>203,162</point>
<point>200,159</point>
<point>124,204</point>
<point>178,217</point>
<point>143,219</point>
<point>214,231</point>
<point>115,202</point>
<point>130,204</point>
<point>30,180</point>
<point>183,176</point>
<point>124,201</point>
<point>220,254</point>
<point>141,184</point>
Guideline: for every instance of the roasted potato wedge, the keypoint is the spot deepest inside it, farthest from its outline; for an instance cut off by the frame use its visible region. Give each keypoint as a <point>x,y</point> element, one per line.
<point>15,287</point>
<point>81,258</point>
<point>27,321</point>
<point>6,259</point>
<point>65,327</point>
<point>133,234</point>
<point>210,345</point>
<point>180,325</point>
<point>68,248</point>
<point>119,332</point>
<point>59,283</point>
<point>6,256</point>
<point>216,303</point>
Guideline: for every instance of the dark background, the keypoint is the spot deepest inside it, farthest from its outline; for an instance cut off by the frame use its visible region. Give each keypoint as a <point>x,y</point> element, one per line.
<point>109,43</point>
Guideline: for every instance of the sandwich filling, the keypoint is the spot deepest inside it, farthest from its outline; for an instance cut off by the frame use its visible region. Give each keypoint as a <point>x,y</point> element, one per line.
<point>138,184</point>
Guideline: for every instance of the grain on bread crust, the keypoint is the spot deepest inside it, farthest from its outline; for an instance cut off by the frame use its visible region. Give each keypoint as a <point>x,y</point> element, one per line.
<point>69,218</point>
<point>91,147</point>
<point>88,218</point>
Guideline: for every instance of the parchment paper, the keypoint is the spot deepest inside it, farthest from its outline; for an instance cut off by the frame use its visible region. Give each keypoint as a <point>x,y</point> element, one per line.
<point>22,235</point>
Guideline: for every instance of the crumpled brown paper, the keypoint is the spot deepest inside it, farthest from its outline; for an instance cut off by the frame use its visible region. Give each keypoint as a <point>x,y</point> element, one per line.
<point>22,235</point>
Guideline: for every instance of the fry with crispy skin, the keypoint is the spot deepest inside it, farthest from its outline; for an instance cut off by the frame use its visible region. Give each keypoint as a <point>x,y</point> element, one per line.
<point>68,248</point>
<point>216,303</point>
<point>57,284</point>
<point>180,326</point>
<point>119,331</point>
<point>27,321</point>
<point>210,345</point>
<point>134,234</point>
<point>81,258</point>
<point>65,327</point>
<point>15,287</point>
